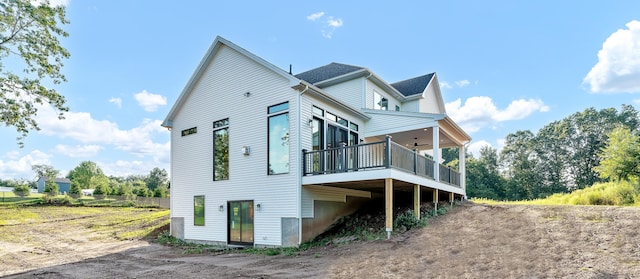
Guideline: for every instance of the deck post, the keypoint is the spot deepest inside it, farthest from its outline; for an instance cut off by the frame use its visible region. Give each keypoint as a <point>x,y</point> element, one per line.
<point>388,205</point>
<point>387,152</point>
<point>304,162</point>
<point>435,199</point>
<point>451,196</point>
<point>436,153</point>
<point>416,200</point>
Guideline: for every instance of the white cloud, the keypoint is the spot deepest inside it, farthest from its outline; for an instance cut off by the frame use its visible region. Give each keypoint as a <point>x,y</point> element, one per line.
<point>52,3</point>
<point>314,16</point>
<point>474,147</point>
<point>81,127</point>
<point>149,101</point>
<point>15,166</point>
<point>459,83</point>
<point>618,67</point>
<point>335,23</point>
<point>329,25</point>
<point>480,112</point>
<point>462,83</point>
<point>78,151</point>
<point>116,101</point>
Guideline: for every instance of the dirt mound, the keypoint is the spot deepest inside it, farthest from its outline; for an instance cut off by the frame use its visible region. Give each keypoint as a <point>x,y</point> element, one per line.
<point>470,241</point>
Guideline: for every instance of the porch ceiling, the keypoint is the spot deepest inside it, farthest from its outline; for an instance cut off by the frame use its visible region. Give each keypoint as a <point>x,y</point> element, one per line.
<point>423,137</point>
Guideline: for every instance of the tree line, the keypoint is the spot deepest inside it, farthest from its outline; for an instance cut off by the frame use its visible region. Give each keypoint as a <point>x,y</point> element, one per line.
<point>88,175</point>
<point>562,156</point>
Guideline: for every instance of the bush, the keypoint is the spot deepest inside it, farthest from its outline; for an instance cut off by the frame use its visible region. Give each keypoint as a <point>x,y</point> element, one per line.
<point>160,192</point>
<point>51,187</point>
<point>22,190</point>
<point>407,221</point>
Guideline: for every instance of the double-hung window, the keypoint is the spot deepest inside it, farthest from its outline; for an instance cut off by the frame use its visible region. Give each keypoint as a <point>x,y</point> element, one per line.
<point>278,141</point>
<point>221,149</point>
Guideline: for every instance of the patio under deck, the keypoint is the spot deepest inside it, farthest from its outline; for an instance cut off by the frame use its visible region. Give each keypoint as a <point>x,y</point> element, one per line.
<point>381,167</point>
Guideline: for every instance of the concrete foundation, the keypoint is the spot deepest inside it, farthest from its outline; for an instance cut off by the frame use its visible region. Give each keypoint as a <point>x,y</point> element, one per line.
<point>290,229</point>
<point>177,227</point>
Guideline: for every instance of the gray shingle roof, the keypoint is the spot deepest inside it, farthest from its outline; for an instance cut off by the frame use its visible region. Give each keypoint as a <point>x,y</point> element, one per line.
<point>413,86</point>
<point>327,72</point>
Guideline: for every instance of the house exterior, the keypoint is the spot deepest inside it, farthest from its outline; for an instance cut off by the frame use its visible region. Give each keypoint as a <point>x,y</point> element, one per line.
<point>64,184</point>
<point>262,157</point>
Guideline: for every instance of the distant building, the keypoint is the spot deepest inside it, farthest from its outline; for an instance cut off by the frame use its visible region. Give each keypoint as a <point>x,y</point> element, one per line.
<point>64,184</point>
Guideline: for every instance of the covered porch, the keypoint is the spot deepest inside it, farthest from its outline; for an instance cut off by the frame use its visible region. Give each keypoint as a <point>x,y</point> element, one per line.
<point>401,161</point>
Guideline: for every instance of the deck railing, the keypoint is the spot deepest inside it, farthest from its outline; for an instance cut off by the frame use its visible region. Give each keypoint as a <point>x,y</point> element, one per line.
<point>376,155</point>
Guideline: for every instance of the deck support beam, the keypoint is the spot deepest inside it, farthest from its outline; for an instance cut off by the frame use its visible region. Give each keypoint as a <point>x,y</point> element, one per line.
<point>416,201</point>
<point>388,205</point>
<point>435,199</point>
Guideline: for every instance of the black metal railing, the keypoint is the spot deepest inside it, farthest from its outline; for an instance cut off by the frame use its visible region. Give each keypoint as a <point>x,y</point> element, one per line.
<point>376,155</point>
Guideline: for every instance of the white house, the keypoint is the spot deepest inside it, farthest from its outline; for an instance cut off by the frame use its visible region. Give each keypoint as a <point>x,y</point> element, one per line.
<point>263,157</point>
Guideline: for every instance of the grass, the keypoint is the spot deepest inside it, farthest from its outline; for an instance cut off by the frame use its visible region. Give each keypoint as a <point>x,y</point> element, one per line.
<point>28,224</point>
<point>10,199</point>
<point>621,193</point>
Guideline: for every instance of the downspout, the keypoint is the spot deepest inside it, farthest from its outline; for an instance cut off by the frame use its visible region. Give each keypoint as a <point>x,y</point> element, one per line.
<point>299,173</point>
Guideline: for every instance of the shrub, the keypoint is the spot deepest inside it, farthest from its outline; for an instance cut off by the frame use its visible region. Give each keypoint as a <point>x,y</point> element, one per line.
<point>51,187</point>
<point>160,192</point>
<point>22,190</point>
<point>407,220</point>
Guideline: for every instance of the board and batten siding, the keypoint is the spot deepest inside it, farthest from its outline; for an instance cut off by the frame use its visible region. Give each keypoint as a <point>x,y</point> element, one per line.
<point>218,94</point>
<point>350,92</point>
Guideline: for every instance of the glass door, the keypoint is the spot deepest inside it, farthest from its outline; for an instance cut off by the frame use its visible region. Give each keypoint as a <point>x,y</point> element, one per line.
<point>336,137</point>
<point>240,226</point>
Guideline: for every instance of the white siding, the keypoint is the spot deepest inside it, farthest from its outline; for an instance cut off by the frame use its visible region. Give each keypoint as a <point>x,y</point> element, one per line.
<point>219,94</point>
<point>349,92</point>
<point>371,87</point>
<point>430,103</point>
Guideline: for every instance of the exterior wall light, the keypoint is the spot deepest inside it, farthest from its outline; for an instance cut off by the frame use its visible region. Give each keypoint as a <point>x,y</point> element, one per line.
<point>221,208</point>
<point>246,150</point>
<point>258,207</point>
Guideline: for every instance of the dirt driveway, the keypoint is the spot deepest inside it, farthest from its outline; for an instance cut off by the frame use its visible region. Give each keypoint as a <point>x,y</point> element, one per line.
<point>472,241</point>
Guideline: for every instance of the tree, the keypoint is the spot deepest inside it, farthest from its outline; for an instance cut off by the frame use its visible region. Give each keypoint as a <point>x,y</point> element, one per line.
<point>483,178</point>
<point>521,170</point>
<point>29,32</point>
<point>51,187</point>
<point>100,185</point>
<point>157,178</point>
<point>22,190</point>
<point>45,171</point>
<point>621,156</point>
<point>81,175</point>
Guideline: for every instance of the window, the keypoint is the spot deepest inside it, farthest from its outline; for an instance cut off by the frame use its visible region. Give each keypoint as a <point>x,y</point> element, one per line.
<point>379,102</point>
<point>278,141</point>
<point>198,210</point>
<point>221,149</point>
<point>317,111</point>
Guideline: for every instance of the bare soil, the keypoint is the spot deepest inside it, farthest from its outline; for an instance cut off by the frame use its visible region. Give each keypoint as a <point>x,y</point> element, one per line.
<point>471,241</point>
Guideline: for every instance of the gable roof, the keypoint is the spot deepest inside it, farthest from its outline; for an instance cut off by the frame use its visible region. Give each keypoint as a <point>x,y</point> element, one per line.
<point>327,72</point>
<point>413,86</point>
<point>168,121</point>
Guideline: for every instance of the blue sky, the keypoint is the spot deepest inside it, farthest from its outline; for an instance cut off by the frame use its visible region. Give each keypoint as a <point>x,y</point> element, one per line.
<point>503,65</point>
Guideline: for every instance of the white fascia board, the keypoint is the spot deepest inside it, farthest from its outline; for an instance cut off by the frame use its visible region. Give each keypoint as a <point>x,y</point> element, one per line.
<point>434,116</point>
